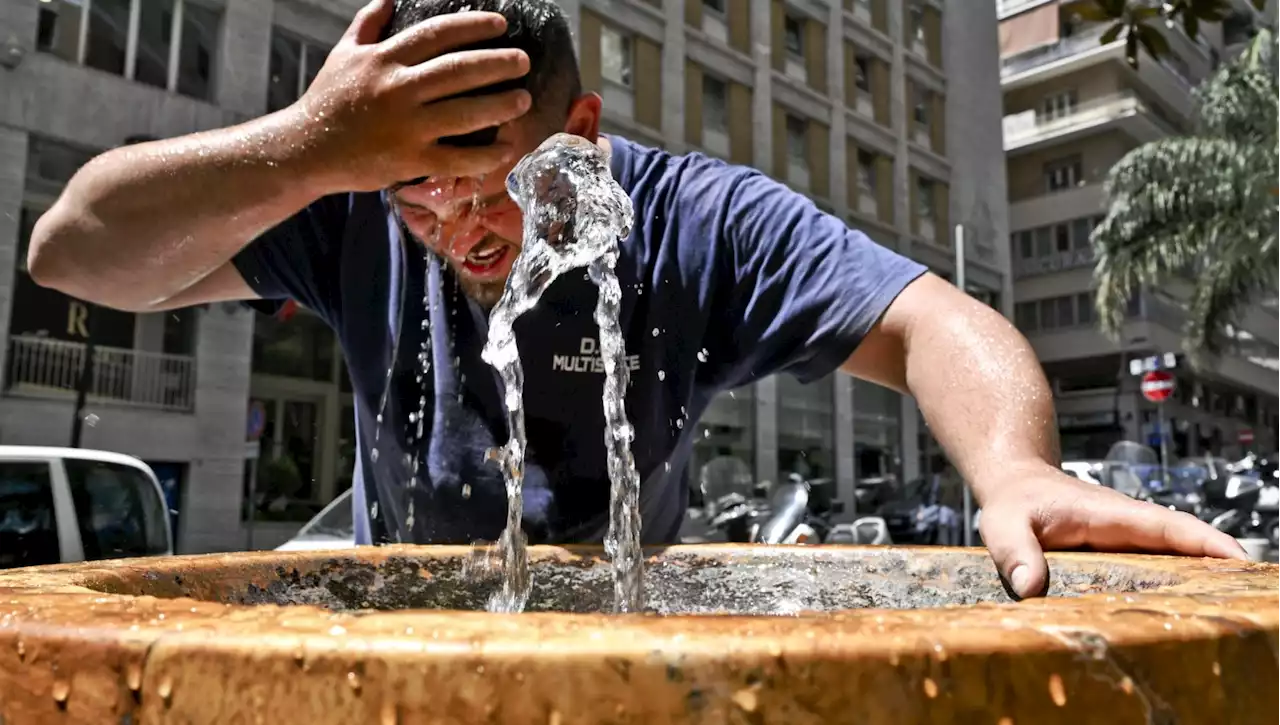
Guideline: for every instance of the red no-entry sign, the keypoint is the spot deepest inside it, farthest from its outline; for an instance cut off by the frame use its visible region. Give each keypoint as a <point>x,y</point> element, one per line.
<point>1158,385</point>
<point>1246,436</point>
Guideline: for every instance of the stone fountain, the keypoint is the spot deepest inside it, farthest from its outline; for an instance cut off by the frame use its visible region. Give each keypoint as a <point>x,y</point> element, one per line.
<point>732,634</point>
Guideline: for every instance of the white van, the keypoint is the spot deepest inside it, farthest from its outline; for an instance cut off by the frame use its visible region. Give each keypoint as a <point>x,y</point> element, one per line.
<point>70,504</point>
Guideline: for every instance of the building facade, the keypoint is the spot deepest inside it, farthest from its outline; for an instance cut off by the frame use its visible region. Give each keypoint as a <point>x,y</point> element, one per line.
<point>885,112</point>
<point>1073,107</point>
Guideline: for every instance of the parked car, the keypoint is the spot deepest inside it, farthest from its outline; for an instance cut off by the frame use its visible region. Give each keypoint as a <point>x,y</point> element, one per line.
<point>333,528</point>
<point>70,504</point>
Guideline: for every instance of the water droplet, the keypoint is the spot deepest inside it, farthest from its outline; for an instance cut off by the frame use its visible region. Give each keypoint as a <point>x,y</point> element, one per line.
<point>702,355</point>
<point>133,676</point>
<point>930,688</point>
<point>662,375</point>
<point>1217,669</point>
<point>655,332</point>
<point>337,630</point>
<point>1057,690</point>
<point>667,466</point>
<point>680,423</point>
<point>746,699</point>
<point>390,714</point>
<point>373,455</point>
<point>706,433</point>
<point>22,651</point>
<point>353,681</point>
<point>165,689</point>
<point>61,691</point>
<point>466,490</point>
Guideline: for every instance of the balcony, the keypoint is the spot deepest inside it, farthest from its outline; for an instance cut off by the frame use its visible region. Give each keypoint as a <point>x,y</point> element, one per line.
<point>48,368</point>
<point>1170,79</point>
<point>1055,262</point>
<point>1030,130</point>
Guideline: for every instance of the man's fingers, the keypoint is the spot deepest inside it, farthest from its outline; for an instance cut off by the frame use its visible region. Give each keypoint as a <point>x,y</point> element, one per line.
<point>1142,525</point>
<point>1017,553</point>
<point>432,37</point>
<point>463,71</point>
<point>366,27</point>
<point>463,115</point>
<point>473,161</point>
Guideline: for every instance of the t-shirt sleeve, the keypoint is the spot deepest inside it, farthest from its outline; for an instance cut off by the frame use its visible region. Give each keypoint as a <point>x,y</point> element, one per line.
<point>799,287</point>
<point>301,257</point>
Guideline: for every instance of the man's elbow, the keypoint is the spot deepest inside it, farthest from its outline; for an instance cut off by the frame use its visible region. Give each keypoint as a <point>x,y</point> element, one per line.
<point>49,261</point>
<point>57,259</point>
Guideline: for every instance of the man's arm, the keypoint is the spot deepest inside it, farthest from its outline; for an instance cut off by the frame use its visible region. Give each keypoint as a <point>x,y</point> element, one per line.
<point>985,398</point>
<point>154,225</point>
<point>953,353</point>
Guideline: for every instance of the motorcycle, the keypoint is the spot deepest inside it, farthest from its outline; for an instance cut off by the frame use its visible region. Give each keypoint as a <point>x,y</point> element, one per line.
<point>801,513</point>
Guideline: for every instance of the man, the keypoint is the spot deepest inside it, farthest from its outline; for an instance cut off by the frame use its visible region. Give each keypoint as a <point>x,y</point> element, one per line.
<point>728,277</point>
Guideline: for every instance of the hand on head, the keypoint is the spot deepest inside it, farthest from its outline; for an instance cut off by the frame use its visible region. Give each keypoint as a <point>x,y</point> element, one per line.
<point>377,109</point>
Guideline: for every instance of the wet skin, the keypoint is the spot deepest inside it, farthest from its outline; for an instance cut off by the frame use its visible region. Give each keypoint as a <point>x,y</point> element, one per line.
<point>480,241</point>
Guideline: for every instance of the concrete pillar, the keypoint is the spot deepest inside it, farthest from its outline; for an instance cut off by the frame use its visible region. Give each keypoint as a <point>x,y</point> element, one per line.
<point>13,170</point>
<point>214,483</point>
<point>18,22</point>
<point>762,99</point>
<point>244,62</point>
<point>835,90</point>
<point>766,400</point>
<point>846,476</point>
<point>910,439</point>
<point>901,128</point>
<point>572,10</point>
<point>673,55</point>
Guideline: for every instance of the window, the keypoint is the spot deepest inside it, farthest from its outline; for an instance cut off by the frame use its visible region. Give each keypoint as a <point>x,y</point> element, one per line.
<point>1080,230</point>
<point>615,56</point>
<point>1062,237</point>
<point>866,174</point>
<point>797,146</point>
<point>1048,315</point>
<point>118,510</point>
<point>1025,316</point>
<point>168,44</point>
<point>862,72</point>
<point>715,105</point>
<point>715,6</point>
<point>1057,105</point>
<point>28,526</point>
<point>924,198</point>
<point>920,107</point>
<point>294,64</point>
<point>1063,174</point>
<point>1044,242</point>
<point>915,20</point>
<point>1025,249</point>
<point>1066,311</point>
<point>793,35</point>
<point>302,347</point>
<point>53,162</point>
<point>1084,306</point>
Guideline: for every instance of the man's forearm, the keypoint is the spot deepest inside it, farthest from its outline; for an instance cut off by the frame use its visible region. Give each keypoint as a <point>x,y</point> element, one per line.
<point>139,224</point>
<point>981,390</point>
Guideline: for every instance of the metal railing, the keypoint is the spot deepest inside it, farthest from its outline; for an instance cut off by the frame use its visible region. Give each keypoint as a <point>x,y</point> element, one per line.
<point>1032,124</point>
<point>45,367</point>
<point>1082,41</point>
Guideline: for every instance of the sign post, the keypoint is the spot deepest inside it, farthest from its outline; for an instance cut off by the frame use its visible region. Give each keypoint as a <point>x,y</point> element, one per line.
<point>1157,386</point>
<point>254,428</point>
<point>968,495</point>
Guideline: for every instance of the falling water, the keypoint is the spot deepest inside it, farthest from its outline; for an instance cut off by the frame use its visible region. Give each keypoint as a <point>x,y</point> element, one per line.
<point>574,215</point>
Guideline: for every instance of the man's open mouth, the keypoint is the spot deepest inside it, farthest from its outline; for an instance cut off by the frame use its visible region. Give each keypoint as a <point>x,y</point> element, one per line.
<point>485,256</point>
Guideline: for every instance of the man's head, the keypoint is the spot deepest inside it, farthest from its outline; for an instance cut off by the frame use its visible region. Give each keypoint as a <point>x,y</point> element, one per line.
<point>481,243</point>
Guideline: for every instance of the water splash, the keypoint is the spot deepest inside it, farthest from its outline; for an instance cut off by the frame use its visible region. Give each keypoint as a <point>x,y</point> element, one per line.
<point>574,216</point>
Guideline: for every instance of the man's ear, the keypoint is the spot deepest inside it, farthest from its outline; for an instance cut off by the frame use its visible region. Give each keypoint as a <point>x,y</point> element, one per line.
<point>584,116</point>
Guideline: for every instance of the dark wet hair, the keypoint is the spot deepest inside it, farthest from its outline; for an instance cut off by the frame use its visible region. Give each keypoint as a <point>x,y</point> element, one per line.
<point>538,27</point>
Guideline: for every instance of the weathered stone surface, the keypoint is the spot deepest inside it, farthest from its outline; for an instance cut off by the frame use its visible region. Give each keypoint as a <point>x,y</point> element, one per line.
<point>349,637</point>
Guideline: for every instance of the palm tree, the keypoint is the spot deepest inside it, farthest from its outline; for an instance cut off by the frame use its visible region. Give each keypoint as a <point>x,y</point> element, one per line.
<point>1204,203</point>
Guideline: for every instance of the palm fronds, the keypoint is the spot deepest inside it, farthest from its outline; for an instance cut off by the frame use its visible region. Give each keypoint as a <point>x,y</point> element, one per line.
<point>1206,203</point>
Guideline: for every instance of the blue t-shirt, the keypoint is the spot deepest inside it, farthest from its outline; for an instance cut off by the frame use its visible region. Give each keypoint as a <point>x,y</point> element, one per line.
<point>728,277</point>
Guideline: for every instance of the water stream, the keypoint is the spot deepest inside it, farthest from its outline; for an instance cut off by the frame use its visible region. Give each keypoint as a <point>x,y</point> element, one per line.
<point>574,216</point>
